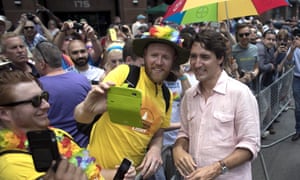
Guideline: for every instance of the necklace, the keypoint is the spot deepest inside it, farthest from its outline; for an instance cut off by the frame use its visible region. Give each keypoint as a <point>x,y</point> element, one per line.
<point>78,156</point>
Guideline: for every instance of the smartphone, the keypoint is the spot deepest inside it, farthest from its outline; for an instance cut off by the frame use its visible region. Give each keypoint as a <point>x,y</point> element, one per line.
<point>43,147</point>
<point>124,106</point>
<point>122,170</point>
<point>112,34</point>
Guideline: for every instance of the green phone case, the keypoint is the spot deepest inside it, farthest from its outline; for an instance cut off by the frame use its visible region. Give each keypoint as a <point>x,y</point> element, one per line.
<point>124,106</point>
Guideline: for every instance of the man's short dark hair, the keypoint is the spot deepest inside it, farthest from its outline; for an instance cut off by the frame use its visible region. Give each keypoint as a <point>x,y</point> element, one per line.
<point>212,41</point>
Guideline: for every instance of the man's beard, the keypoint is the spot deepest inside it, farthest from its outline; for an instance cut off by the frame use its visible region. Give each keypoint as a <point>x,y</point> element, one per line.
<point>81,62</point>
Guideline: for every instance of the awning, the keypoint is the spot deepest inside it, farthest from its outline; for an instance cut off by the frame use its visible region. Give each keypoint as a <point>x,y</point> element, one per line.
<point>160,9</point>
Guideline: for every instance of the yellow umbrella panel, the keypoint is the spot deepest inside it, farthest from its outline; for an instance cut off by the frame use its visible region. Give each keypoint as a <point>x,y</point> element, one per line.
<point>235,8</point>
<point>189,4</point>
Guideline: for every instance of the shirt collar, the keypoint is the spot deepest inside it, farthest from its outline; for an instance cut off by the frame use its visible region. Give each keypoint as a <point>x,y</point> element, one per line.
<point>219,88</point>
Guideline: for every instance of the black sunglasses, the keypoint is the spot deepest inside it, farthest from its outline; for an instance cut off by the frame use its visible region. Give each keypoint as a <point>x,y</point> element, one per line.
<point>36,101</point>
<point>28,27</point>
<point>243,34</point>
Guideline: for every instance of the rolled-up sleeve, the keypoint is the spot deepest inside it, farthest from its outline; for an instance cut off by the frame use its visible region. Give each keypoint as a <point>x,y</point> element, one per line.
<point>247,123</point>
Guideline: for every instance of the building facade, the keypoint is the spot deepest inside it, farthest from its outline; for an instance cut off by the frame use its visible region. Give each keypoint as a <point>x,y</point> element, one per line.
<point>99,13</point>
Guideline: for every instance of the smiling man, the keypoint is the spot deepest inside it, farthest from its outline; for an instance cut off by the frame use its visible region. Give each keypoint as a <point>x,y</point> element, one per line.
<point>219,134</point>
<point>23,111</point>
<point>111,142</point>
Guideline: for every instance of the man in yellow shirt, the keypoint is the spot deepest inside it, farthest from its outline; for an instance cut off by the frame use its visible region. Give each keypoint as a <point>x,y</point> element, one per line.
<point>23,108</point>
<point>111,142</point>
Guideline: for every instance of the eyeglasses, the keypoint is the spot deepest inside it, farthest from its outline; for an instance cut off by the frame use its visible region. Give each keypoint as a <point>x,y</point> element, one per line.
<point>282,39</point>
<point>241,35</point>
<point>89,47</point>
<point>36,101</point>
<point>28,27</point>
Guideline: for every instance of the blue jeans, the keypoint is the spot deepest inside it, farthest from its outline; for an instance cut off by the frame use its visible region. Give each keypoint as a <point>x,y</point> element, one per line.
<point>296,94</point>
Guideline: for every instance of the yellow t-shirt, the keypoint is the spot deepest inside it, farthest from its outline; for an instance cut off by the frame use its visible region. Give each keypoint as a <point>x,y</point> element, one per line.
<point>111,142</point>
<point>15,166</point>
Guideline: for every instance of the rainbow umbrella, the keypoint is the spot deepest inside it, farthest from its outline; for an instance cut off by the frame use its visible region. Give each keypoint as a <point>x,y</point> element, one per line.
<point>220,11</point>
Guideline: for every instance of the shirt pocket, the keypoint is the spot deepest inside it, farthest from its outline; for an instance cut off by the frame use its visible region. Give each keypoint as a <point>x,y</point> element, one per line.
<point>224,125</point>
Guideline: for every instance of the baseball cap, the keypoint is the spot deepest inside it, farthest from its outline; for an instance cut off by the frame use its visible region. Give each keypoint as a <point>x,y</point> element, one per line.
<point>6,22</point>
<point>140,16</point>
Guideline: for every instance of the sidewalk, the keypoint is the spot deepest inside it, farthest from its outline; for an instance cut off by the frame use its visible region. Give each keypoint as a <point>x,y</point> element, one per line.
<point>282,160</point>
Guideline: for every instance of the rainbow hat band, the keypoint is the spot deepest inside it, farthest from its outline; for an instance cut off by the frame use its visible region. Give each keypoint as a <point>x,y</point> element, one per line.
<point>162,34</point>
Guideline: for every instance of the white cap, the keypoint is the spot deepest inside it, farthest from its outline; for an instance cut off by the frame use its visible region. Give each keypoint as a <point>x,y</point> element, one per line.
<point>6,22</point>
<point>265,28</point>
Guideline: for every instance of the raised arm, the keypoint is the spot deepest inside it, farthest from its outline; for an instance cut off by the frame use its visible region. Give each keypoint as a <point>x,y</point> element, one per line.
<point>21,23</point>
<point>90,33</point>
<point>45,30</point>
<point>93,104</point>
<point>58,39</point>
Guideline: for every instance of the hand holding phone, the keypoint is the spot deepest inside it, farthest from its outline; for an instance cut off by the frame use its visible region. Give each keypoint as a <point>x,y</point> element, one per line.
<point>122,170</point>
<point>43,147</point>
<point>124,106</point>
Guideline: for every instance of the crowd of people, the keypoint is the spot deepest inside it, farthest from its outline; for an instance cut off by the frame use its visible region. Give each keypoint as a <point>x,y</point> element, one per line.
<point>198,84</point>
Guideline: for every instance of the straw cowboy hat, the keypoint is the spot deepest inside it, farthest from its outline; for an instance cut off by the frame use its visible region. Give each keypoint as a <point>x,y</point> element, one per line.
<point>6,22</point>
<point>162,34</point>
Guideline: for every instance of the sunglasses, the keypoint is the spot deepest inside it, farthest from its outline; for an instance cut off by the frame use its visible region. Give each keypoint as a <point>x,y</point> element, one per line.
<point>89,47</point>
<point>243,34</point>
<point>28,27</point>
<point>6,66</point>
<point>36,101</point>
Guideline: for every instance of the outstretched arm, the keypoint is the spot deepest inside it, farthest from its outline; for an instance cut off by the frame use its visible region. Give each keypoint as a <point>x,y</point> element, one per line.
<point>93,104</point>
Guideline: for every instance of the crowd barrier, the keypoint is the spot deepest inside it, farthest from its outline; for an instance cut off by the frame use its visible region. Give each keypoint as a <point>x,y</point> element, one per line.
<point>275,98</point>
<point>272,101</point>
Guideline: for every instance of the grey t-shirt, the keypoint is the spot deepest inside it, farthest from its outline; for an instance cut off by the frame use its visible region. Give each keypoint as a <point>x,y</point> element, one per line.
<point>245,57</point>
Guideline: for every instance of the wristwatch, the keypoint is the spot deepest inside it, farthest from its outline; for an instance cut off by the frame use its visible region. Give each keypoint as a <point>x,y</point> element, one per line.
<point>224,168</point>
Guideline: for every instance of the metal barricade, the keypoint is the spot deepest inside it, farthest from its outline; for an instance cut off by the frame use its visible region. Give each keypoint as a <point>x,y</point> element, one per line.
<point>272,101</point>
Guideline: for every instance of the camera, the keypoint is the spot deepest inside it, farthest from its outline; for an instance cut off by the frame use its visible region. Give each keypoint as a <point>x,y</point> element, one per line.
<point>78,26</point>
<point>30,16</point>
<point>283,44</point>
<point>124,29</point>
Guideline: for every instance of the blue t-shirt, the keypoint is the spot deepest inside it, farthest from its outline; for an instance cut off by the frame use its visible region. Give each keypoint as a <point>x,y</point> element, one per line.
<point>66,92</point>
